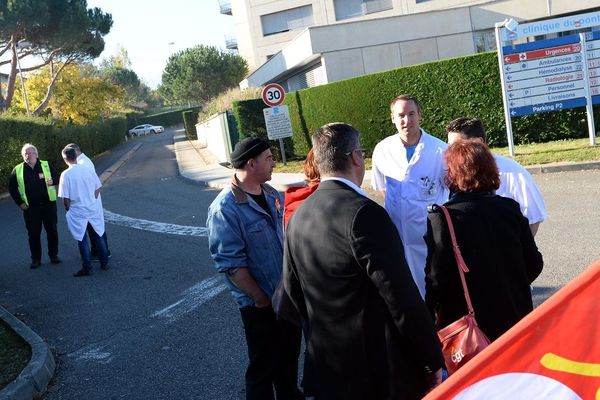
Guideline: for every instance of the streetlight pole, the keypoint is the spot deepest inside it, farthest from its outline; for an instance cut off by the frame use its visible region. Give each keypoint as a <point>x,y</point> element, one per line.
<point>23,44</point>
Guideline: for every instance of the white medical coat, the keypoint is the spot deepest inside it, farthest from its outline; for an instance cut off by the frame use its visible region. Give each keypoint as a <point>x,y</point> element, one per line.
<point>517,184</point>
<point>410,187</point>
<point>78,184</point>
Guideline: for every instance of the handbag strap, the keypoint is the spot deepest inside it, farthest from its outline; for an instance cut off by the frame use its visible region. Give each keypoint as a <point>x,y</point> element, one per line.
<point>462,266</point>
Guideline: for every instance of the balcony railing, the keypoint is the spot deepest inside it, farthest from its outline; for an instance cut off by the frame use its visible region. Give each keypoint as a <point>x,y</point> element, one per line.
<point>225,6</point>
<point>231,43</point>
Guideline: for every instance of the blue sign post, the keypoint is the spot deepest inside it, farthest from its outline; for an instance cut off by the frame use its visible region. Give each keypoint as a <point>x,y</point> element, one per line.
<point>549,75</point>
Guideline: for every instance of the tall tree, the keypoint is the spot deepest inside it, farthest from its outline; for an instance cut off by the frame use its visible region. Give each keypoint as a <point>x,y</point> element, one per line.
<point>48,31</point>
<point>200,74</point>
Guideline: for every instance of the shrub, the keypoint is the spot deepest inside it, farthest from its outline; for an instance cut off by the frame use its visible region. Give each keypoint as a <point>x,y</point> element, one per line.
<point>168,118</point>
<point>50,140</point>
<point>224,101</point>
<point>465,86</point>
<point>189,123</point>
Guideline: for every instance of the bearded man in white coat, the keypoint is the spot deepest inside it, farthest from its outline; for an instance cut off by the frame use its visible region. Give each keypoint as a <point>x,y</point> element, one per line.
<point>408,169</point>
<point>79,188</point>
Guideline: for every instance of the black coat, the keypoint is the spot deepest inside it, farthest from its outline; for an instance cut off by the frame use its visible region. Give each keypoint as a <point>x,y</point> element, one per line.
<point>500,252</point>
<point>371,336</point>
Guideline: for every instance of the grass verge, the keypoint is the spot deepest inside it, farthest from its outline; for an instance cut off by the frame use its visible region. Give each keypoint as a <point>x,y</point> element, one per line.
<point>14,355</point>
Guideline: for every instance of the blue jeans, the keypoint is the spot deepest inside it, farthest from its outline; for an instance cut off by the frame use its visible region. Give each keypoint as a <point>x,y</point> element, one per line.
<point>84,249</point>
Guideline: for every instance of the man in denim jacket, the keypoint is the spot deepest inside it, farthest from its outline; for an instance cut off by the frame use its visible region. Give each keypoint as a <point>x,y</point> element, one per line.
<point>246,242</point>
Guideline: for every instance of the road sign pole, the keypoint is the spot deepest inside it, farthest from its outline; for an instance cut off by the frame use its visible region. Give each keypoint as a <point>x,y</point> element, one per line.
<point>282,152</point>
<point>507,117</point>
<point>588,92</point>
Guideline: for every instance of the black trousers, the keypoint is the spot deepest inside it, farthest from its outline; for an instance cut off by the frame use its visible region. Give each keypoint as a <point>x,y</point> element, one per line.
<point>35,217</point>
<point>273,350</point>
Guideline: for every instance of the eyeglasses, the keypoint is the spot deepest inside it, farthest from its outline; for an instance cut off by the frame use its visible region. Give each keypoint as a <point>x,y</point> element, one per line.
<point>363,152</point>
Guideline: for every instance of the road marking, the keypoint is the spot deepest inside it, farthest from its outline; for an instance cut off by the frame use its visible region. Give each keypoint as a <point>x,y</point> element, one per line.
<point>153,226</point>
<point>91,353</point>
<point>192,298</point>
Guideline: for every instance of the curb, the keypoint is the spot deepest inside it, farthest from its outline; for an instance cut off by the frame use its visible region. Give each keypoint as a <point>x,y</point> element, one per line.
<point>562,167</point>
<point>113,168</point>
<point>37,374</point>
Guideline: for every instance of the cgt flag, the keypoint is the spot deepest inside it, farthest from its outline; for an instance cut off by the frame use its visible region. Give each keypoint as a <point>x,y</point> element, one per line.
<point>552,354</point>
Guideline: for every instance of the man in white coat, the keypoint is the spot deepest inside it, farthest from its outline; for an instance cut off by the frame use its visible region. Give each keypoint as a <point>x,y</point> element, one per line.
<point>515,182</point>
<point>408,169</point>
<point>84,160</point>
<point>79,188</point>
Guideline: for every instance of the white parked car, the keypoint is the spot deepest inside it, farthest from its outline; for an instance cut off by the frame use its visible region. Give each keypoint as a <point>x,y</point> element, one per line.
<point>146,129</point>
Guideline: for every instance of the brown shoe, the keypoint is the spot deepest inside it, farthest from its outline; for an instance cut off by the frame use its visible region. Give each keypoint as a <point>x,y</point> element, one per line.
<point>35,264</point>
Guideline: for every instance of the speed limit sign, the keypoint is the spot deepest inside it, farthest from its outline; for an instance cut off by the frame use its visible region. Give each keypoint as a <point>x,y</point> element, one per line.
<point>273,94</point>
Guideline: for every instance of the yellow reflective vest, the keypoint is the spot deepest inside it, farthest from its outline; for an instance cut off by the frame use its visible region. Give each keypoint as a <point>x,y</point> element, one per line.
<point>21,181</point>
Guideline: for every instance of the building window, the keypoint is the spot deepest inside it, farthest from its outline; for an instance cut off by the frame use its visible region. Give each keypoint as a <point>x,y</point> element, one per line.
<point>421,1</point>
<point>345,9</point>
<point>288,20</point>
<point>484,41</point>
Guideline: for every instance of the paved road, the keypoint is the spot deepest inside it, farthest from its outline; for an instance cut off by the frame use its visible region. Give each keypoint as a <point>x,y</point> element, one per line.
<point>149,327</point>
<point>158,324</point>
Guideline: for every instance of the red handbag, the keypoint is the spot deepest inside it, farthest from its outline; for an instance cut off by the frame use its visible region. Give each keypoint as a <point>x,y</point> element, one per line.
<point>461,340</point>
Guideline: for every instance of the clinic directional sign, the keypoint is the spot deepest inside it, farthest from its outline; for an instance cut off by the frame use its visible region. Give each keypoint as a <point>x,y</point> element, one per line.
<point>549,75</point>
<point>544,76</point>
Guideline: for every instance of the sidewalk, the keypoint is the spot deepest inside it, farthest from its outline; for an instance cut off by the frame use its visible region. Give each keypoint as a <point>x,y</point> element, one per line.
<point>198,164</point>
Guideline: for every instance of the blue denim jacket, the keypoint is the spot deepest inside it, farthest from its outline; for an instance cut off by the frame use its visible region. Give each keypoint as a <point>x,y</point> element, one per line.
<point>243,235</point>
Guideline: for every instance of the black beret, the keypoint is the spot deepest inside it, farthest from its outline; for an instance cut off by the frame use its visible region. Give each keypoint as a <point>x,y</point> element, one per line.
<point>247,149</point>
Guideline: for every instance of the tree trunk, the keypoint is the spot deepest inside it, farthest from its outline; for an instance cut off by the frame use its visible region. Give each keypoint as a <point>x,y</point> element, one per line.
<point>51,87</point>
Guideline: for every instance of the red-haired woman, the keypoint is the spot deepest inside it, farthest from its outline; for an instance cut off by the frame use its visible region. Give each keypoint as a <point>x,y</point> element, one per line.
<point>495,241</point>
<point>295,195</point>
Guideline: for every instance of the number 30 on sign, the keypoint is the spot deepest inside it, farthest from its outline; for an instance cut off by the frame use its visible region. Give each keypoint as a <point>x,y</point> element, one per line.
<point>273,94</point>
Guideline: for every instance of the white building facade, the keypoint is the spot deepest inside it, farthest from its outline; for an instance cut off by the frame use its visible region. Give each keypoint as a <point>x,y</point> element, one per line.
<point>305,43</point>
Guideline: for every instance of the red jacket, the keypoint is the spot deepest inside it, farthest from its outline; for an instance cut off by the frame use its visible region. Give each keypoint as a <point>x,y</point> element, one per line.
<point>294,196</point>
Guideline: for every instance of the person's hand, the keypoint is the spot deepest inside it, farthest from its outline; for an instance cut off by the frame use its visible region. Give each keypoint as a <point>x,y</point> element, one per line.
<point>433,380</point>
<point>49,182</point>
<point>23,206</point>
<point>263,302</point>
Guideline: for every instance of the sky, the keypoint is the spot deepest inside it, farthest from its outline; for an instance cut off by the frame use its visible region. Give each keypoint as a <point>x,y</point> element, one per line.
<point>151,30</point>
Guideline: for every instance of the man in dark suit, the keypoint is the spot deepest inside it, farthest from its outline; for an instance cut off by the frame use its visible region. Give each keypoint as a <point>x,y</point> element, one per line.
<point>371,336</point>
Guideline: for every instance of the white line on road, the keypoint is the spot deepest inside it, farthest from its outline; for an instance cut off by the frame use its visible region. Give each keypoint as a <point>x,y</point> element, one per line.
<point>193,297</point>
<point>93,353</point>
<point>153,226</point>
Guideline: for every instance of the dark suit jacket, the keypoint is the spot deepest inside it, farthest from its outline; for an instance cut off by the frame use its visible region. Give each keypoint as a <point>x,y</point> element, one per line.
<point>499,249</point>
<point>371,336</point>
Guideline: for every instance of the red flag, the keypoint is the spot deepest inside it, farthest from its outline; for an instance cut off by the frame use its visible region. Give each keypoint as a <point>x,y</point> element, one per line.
<point>552,354</point>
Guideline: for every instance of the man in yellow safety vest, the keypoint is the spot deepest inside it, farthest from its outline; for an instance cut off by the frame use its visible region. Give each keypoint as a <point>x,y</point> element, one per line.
<point>32,185</point>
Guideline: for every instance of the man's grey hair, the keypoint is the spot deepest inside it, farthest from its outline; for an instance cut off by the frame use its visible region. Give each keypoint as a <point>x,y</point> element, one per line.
<point>28,146</point>
<point>331,145</point>
<point>73,146</point>
<point>69,153</point>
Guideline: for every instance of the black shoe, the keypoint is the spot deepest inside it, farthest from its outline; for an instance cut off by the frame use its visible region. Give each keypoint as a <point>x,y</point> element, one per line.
<point>55,260</point>
<point>35,264</point>
<point>82,272</point>
<point>104,266</point>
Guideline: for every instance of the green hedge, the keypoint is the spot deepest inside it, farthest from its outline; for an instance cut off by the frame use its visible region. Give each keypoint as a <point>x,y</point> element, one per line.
<point>189,123</point>
<point>465,86</point>
<point>50,140</point>
<point>168,118</point>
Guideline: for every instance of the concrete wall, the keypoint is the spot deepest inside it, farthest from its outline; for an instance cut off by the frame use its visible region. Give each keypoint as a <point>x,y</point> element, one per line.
<point>214,134</point>
<point>423,23</point>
